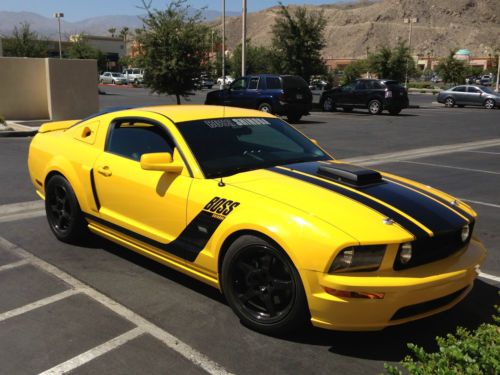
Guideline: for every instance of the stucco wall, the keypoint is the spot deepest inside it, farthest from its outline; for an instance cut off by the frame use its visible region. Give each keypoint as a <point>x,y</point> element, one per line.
<point>23,88</point>
<point>72,88</point>
<point>32,88</point>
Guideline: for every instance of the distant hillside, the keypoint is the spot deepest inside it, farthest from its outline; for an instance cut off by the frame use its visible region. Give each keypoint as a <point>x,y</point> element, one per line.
<point>351,29</point>
<point>47,27</point>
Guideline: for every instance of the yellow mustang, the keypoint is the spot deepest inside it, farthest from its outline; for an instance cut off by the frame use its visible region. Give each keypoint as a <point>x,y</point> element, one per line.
<point>244,202</point>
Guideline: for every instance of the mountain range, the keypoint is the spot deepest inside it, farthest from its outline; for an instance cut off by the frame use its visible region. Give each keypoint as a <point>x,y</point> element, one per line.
<point>352,30</point>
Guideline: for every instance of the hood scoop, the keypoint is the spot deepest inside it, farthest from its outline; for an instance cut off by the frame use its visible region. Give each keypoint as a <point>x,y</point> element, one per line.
<point>349,174</point>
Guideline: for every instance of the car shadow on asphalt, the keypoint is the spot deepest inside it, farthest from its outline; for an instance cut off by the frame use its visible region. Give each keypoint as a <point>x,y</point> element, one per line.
<point>390,344</point>
<point>383,114</point>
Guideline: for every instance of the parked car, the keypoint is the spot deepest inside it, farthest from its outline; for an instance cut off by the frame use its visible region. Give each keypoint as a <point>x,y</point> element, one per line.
<point>318,84</point>
<point>463,95</point>
<point>112,77</point>
<point>241,201</point>
<point>486,80</point>
<point>279,94</point>
<point>133,75</point>
<point>204,82</point>
<point>375,94</point>
<point>228,80</point>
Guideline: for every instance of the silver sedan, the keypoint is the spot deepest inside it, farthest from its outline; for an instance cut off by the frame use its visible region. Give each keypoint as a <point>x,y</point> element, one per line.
<point>476,95</point>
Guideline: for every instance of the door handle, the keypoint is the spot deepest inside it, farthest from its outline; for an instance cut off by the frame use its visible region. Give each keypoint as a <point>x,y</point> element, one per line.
<point>105,171</point>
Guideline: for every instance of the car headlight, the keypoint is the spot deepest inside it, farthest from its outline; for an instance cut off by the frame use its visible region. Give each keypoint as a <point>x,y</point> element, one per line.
<point>358,258</point>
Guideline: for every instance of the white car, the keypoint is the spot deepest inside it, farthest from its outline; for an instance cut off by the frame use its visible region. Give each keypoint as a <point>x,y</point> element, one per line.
<point>227,81</point>
<point>112,77</point>
<point>134,75</point>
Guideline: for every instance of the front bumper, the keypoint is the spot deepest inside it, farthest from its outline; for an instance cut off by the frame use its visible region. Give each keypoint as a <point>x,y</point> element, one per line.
<point>408,295</point>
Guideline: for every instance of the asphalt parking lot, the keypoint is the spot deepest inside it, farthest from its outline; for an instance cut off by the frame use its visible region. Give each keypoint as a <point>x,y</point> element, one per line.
<point>100,308</point>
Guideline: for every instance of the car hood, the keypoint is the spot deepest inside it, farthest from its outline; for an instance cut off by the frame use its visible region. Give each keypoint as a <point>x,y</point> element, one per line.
<point>394,208</point>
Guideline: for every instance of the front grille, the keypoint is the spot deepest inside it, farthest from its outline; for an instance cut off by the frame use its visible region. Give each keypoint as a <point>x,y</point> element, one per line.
<point>431,249</point>
<point>421,308</point>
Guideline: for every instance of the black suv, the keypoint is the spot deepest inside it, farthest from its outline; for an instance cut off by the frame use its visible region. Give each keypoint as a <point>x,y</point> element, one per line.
<point>278,94</point>
<point>374,94</point>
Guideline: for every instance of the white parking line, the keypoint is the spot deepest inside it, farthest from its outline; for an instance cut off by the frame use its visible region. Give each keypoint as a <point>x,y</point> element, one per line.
<point>37,304</point>
<point>480,203</point>
<point>21,211</point>
<point>449,167</point>
<point>485,152</point>
<point>489,277</point>
<point>93,353</point>
<point>9,266</point>
<point>22,216</point>
<point>421,152</point>
<point>168,339</point>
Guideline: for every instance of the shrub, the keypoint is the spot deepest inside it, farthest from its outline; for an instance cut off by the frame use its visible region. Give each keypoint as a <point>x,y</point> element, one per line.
<point>465,352</point>
<point>2,119</point>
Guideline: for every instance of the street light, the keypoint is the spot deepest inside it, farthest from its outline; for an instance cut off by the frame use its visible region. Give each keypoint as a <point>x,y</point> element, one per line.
<point>410,21</point>
<point>243,38</point>
<point>223,44</point>
<point>59,16</point>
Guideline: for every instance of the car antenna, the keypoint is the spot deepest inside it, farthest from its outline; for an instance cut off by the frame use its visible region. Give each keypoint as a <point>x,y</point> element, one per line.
<point>221,183</point>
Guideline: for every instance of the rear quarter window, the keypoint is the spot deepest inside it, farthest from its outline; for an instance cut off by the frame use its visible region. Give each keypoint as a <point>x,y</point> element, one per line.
<point>273,83</point>
<point>294,82</point>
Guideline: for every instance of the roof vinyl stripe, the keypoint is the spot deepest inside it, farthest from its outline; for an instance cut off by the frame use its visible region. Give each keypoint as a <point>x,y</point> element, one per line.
<point>410,226</point>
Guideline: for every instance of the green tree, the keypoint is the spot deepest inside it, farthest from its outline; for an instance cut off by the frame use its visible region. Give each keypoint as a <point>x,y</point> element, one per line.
<point>258,60</point>
<point>451,70</point>
<point>112,31</point>
<point>124,31</point>
<point>354,70</point>
<point>81,49</point>
<point>25,43</point>
<point>298,41</point>
<point>392,63</point>
<point>176,46</point>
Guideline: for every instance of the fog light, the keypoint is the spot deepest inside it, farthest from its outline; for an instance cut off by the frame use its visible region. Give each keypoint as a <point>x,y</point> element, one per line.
<point>347,256</point>
<point>405,253</point>
<point>465,232</point>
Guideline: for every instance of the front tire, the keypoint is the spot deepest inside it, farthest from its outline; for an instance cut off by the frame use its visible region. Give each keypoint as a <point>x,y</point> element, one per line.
<point>449,102</point>
<point>328,104</point>
<point>63,211</point>
<point>263,287</point>
<point>489,104</point>
<point>294,117</point>
<point>375,107</point>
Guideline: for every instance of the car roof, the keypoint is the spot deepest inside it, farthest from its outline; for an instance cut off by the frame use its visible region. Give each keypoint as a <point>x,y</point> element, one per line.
<point>193,112</point>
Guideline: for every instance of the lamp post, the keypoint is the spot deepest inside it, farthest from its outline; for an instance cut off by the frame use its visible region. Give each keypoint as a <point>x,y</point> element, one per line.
<point>410,21</point>
<point>59,16</point>
<point>223,44</point>
<point>498,70</point>
<point>243,38</point>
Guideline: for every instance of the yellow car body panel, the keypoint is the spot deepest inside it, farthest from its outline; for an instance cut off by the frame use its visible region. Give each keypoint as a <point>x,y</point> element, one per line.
<point>312,218</point>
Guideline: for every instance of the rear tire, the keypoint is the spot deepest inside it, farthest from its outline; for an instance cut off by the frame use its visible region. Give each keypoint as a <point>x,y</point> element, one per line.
<point>266,107</point>
<point>294,117</point>
<point>395,111</point>
<point>263,287</point>
<point>63,211</point>
<point>449,102</point>
<point>328,104</point>
<point>375,107</point>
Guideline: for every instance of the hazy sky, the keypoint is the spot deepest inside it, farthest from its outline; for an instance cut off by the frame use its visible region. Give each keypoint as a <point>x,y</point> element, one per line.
<point>76,10</point>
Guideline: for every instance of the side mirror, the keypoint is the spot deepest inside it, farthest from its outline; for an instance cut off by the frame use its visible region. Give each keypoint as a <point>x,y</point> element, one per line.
<point>161,161</point>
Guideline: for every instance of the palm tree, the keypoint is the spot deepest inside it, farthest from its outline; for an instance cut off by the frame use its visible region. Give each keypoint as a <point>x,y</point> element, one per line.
<point>112,31</point>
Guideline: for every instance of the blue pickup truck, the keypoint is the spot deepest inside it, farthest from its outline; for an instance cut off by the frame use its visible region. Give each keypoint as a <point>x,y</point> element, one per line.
<point>278,94</point>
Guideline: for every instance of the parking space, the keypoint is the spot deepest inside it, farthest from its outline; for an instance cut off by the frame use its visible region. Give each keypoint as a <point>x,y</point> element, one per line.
<point>99,308</point>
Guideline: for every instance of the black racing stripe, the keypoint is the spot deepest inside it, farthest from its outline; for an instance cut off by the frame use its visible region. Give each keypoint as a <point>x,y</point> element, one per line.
<point>190,242</point>
<point>423,209</point>
<point>436,197</point>
<point>384,210</point>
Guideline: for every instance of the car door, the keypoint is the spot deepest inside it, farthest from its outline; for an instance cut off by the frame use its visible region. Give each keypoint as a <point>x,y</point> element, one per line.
<point>474,96</point>
<point>252,93</point>
<point>235,95</point>
<point>151,204</point>
<point>361,93</point>
<point>345,94</point>
<point>460,95</point>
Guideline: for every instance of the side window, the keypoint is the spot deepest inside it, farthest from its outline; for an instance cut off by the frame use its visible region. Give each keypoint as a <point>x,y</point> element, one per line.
<point>459,89</point>
<point>133,138</point>
<point>376,85</point>
<point>363,85</point>
<point>239,84</point>
<point>473,89</point>
<point>273,83</point>
<point>254,83</point>
<point>349,87</point>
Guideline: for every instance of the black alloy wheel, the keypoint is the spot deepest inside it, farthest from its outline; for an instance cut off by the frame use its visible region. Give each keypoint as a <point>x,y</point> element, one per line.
<point>263,287</point>
<point>63,211</point>
<point>328,104</point>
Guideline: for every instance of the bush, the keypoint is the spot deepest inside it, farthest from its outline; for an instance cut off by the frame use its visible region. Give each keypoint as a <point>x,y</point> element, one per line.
<point>465,352</point>
<point>2,119</point>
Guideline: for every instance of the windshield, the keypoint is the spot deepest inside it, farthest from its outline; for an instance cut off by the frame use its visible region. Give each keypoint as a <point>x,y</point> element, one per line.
<point>487,90</point>
<point>231,145</point>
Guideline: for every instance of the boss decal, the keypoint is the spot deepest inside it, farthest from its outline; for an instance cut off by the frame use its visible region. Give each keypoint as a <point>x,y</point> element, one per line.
<point>220,207</point>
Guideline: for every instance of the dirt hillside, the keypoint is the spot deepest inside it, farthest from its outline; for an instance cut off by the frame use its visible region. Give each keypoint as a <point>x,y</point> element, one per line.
<point>351,29</point>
